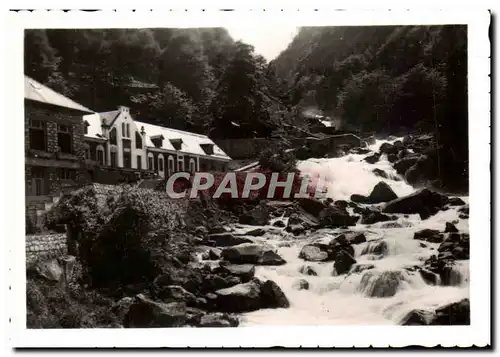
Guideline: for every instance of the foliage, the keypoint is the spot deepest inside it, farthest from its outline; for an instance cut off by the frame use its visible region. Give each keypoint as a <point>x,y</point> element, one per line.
<point>388,79</point>
<point>190,79</point>
<point>49,305</point>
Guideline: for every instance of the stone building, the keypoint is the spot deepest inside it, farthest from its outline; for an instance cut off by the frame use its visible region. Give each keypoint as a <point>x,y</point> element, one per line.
<point>54,146</point>
<point>68,145</point>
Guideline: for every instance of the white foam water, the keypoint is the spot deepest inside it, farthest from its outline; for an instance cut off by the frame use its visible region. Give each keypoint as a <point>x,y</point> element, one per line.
<point>383,294</point>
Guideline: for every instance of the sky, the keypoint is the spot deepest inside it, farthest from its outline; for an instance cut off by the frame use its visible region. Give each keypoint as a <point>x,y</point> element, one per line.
<point>268,41</point>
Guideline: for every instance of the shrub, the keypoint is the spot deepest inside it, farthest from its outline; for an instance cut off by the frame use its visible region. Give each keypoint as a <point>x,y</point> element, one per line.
<point>49,305</point>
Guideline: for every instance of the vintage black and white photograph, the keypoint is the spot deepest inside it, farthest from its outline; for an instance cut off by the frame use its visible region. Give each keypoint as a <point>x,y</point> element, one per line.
<point>240,176</point>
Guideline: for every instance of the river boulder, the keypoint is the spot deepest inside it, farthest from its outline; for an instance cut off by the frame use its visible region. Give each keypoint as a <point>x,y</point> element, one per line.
<point>313,253</point>
<point>258,216</point>
<point>403,164</point>
<point>312,206</point>
<point>244,271</point>
<point>457,313</point>
<point>150,314</point>
<point>333,216</point>
<point>239,298</point>
<point>429,235</point>
<point>227,239</point>
<point>272,296</point>
<point>371,159</point>
<point>343,262</point>
<point>218,319</point>
<point>421,202</point>
<point>387,149</point>
<point>251,253</point>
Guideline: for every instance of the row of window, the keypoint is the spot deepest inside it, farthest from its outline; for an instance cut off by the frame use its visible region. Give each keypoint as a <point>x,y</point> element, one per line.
<point>38,137</point>
<point>180,164</point>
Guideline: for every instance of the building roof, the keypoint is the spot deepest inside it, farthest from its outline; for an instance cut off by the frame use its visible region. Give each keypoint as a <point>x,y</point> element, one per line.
<point>36,91</point>
<point>191,142</point>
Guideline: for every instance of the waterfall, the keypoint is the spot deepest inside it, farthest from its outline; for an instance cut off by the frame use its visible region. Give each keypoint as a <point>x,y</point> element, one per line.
<point>383,285</point>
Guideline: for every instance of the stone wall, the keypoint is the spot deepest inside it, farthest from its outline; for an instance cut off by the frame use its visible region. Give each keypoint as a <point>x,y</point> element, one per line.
<point>45,246</point>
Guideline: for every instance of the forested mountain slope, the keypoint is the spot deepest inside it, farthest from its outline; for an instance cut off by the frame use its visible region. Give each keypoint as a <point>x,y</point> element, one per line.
<point>195,79</point>
<point>387,79</point>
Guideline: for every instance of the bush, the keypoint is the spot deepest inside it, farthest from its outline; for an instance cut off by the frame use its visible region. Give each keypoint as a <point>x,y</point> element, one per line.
<point>49,305</point>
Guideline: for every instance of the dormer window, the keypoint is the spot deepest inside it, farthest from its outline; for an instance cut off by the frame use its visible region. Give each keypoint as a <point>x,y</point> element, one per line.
<point>157,140</point>
<point>208,148</point>
<point>176,143</point>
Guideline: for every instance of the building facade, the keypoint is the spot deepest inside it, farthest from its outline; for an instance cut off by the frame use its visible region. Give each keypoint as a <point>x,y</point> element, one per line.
<point>68,145</point>
<point>54,145</point>
<point>114,139</point>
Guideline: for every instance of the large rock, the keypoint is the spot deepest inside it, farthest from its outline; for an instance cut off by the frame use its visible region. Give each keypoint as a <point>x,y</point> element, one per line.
<point>457,313</point>
<point>295,229</point>
<point>227,239</point>
<point>279,224</point>
<point>417,317</point>
<point>49,269</point>
<point>177,293</point>
<point>244,271</point>
<point>372,158</point>
<point>312,206</point>
<point>372,217</point>
<point>272,296</point>
<point>258,216</point>
<point>382,192</point>
<point>147,313</point>
<point>455,201</point>
<point>456,244</point>
<point>313,253</point>
<point>218,319</point>
<point>429,235</point>
<point>249,253</point>
<point>387,149</point>
<point>402,165</point>
<point>343,262</point>
<point>421,202</point>
<point>333,216</point>
<point>257,232</point>
<point>450,228</point>
<point>239,298</point>
<point>381,284</point>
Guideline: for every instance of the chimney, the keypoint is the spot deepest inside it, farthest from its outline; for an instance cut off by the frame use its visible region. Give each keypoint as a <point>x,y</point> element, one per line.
<point>123,109</point>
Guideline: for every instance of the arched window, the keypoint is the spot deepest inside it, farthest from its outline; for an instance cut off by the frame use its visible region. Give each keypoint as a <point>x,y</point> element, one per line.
<point>180,163</point>
<point>160,163</point>
<point>170,165</point>
<point>192,165</point>
<point>100,155</point>
<point>123,129</point>
<point>150,161</point>
<point>128,130</point>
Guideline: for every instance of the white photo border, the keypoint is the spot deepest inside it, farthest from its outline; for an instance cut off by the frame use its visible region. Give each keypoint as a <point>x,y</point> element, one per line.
<point>478,333</point>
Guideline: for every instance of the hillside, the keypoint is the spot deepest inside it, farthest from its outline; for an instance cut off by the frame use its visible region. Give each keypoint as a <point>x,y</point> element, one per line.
<point>385,79</point>
<point>191,79</point>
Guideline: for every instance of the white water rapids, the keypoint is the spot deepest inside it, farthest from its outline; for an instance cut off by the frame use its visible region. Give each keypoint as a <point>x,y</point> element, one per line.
<point>344,299</point>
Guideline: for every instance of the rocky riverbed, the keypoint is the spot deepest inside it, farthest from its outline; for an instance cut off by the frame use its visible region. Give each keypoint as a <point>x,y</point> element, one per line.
<point>375,250</point>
